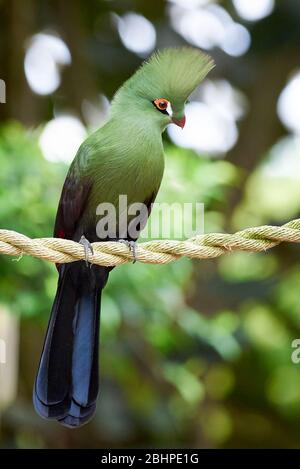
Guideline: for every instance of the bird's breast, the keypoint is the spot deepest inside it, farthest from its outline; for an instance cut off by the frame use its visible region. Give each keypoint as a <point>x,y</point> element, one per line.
<point>125,178</point>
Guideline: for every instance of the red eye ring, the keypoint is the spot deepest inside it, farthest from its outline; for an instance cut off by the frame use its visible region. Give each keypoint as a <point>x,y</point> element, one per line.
<point>161,104</point>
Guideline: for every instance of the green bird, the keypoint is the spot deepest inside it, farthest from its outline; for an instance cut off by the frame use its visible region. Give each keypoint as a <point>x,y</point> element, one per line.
<point>124,157</point>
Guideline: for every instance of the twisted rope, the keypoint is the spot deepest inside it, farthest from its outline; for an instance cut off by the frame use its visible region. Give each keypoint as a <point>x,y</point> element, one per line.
<point>206,246</point>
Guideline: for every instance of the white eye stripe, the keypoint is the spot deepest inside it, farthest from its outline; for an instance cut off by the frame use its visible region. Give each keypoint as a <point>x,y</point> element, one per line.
<point>169,109</point>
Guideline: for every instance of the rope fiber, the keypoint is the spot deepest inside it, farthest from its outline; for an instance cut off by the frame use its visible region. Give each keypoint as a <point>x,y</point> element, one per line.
<point>206,246</point>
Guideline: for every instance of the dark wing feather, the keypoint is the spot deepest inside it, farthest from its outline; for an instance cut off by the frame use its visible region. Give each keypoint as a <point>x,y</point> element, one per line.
<point>143,220</point>
<point>71,205</point>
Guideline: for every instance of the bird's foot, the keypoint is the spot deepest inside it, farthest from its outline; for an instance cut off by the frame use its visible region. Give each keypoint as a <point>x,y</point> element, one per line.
<point>132,245</point>
<point>87,248</point>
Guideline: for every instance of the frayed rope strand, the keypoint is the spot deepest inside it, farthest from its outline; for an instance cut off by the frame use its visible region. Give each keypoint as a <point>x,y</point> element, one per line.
<point>206,246</point>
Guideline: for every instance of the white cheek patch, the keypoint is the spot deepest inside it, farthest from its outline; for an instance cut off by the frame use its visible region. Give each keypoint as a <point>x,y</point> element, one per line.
<point>169,110</point>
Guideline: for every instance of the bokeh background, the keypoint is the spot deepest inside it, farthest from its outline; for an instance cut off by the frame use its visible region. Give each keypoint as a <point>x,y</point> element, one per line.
<point>193,354</point>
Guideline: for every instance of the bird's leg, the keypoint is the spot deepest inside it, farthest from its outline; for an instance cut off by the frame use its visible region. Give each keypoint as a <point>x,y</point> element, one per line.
<point>132,245</point>
<point>87,247</point>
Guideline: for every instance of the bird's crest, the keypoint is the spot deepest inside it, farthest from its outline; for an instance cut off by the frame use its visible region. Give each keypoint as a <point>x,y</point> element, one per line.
<point>170,73</point>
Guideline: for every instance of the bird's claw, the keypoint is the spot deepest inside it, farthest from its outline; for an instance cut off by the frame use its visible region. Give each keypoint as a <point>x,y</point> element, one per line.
<point>87,247</point>
<point>132,245</point>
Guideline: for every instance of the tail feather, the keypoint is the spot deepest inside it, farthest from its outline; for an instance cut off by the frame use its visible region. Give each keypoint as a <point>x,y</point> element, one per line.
<point>85,357</point>
<point>67,382</point>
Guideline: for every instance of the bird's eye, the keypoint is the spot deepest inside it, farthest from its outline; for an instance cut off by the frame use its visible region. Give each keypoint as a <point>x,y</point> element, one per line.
<point>162,105</point>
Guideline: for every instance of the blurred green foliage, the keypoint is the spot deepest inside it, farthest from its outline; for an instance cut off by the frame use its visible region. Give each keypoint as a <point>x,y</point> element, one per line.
<point>29,188</point>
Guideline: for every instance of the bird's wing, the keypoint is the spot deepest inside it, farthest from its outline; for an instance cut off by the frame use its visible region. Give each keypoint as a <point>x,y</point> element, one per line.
<point>149,203</point>
<point>71,205</point>
<point>142,219</point>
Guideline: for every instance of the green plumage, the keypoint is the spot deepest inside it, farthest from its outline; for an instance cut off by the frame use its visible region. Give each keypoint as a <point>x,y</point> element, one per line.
<point>126,155</point>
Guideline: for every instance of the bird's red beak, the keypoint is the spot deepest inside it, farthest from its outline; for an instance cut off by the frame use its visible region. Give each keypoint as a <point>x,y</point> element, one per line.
<point>179,122</point>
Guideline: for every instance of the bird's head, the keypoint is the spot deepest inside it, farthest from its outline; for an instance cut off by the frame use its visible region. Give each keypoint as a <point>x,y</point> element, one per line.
<point>159,89</point>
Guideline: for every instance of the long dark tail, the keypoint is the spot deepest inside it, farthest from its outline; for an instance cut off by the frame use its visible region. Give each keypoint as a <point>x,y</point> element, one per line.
<point>67,381</point>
